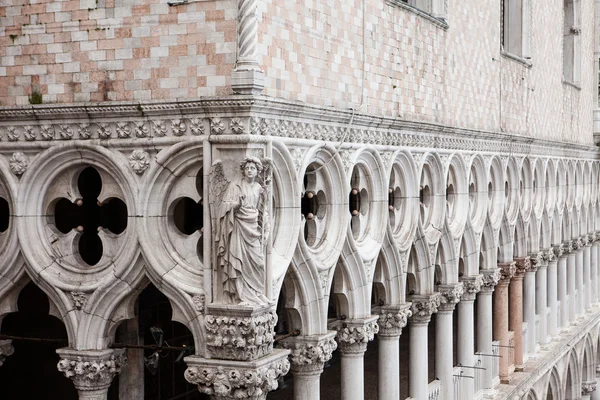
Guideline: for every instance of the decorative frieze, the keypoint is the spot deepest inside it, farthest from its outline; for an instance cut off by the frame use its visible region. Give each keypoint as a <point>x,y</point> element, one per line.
<point>353,335</point>
<point>471,286</point>
<point>423,306</point>
<point>449,296</point>
<point>309,353</point>
<point>91,369</point>
<point>229,380</point>
<point>393,318</point>
<point>239,332</point>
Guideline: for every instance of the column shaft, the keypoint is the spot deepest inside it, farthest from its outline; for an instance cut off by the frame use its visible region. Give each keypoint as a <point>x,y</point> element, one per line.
<point>541,302</point>
<point>562,291</point>
<point>484,334</point>
<point>389,368</point>
<point>516,317</point>
<point>443,352</point>
<point>418,376</point>
<point>594,273</point>
<point>587,279</point>
<point>501,326</point>
<point>353,385</point>
<point>529,306</point>
<point>466,339</point>
<point>579,281</point>
<point>571,267</point>
<point>553,297</point>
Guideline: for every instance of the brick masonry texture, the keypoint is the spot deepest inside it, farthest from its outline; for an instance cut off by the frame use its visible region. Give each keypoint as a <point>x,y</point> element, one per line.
<point>370,55</point>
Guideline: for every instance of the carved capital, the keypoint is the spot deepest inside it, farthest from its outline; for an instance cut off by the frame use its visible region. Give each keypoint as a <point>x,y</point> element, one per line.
<point>423,306</point>
<point>6,350</point>
<point>568,247</point>
<point>590,238</point>
<point>91,370</point>
<point>393,318</point>
<point>472,286</point>
<point>522,264</point>
<point>490,278</point>
<point>576,244</point>
<point>239,332</point>
<point>588,387</point>
<point>309,353</point>
<point>507,270</point>
<point>450,296</point>
<point>558,250</point>
<point>229,380</point>
<point>353,335</point>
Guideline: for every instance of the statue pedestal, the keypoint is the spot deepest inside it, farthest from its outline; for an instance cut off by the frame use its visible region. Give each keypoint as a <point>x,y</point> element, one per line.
<point>240,332</point>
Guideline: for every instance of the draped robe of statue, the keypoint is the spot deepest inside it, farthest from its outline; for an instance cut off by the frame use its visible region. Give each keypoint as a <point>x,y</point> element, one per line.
<point>240,250</point>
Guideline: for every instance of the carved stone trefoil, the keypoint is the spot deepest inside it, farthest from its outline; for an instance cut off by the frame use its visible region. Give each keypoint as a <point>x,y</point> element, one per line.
<point>239,333</point>
<point>91,369</point>
<point>229,380</point>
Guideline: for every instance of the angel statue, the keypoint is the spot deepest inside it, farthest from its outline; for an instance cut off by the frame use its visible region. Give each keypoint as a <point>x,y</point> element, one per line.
<point>241,230</point>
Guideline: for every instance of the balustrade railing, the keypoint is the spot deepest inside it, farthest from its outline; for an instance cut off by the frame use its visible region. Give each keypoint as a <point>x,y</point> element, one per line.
<point>457,377</point>
<point>478,373</point>
<point>496,361</point>
<point>435,389</point>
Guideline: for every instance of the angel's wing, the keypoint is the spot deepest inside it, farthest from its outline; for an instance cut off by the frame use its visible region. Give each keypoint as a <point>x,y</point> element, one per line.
<point>217,185</point>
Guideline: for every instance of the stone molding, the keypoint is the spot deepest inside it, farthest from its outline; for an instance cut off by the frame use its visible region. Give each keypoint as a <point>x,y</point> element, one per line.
<point>588,387</point>
<point>91,370</point>
<point>240,333</point>
<point>308,354</point>
<point>490,278</point>
<point>472,285</point>
<point>229,380</point>
<point>6,350</point>
<point>423,306</point>
<point>507,270</point>
<point>450,295</point>
<point>353,335</point>
<point>393,318</point>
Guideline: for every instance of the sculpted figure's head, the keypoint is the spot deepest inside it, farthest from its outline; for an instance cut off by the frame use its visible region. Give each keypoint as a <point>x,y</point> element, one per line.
<point>251,167</point>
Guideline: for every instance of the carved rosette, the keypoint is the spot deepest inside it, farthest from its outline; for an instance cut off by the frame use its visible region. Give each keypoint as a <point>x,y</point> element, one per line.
<point>450,296</point>
<point>309,353</point>
<point>471,286</point>
<point>392,319</point>
<point>229,380</point>
<point>353,335</point>
<point>6,350</point>
<point>18,163</point>
<point>91,369</point>
<point>239,333</point>
<point>490,278</point>
<point>423,306</point>
<point>139,161</point>
<point>522,265</point>
<point>507,270</point>
<point>588,387</point>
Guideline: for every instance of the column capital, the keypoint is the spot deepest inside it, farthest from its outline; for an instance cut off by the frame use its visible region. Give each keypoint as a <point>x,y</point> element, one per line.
<point>241,333</point>
<point>6,350</point>
<point>471,286</point>
<point>596,236</point>
<point>91,370</point>
<point>354,334</point>
<point>490,278</point>
<point>558,250</point>
<point>541,259</point>
<point>309,353</point>
<point>567,247</point>
<point>590,238</point>
<point>229,380</point>
<point>423,306</point>
<point>392,318</point>
<point>576,243</point>
<point>450,295</point>
<point>588,387</point>
<point>522,264</point>
<point>507,271</point>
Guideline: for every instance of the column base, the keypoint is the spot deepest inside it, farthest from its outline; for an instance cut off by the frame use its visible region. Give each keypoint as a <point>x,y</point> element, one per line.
<point>236,380</point>
<point>247,81</point>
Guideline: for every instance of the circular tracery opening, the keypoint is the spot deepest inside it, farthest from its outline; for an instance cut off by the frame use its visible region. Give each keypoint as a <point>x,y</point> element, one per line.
<point>188,214</point>
<point>312,205</point>
<point>358,202</point>
<point>88,216</point>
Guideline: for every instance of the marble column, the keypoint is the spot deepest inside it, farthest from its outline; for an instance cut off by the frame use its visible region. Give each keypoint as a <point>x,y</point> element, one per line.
<point>501,316</point>
<point>587,389</point>
<point>353,336</point>
<point>491,277</point>
<point>553,290</point>
<point>392,319</point>
<point>516,308</point>
<point>423,306</point>
<point>308,354</point>
<point>587,273</point>
<point>92,371</point>
<point>580,309</point>
<point>594,268</point>
<point>529,297</point>
<point>563,286</point>
<point>444,342</point>
<point>571,285</point>
<point>541,294</point>
<point>466,330</point>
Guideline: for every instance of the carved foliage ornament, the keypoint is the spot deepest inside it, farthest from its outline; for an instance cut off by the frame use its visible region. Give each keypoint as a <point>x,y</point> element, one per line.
<point>240,338</point>
<point>507,270</point>
<point>307,355</point>
<point>490,279</point>
<point>89,375</point>
<point>18,163</point>
<point>391,323</point>
<point>588,387</point>
<point>450,296</point>
<point>355,338</point>
<point>471,286</point>
<point>423,308</point>
<point>237,383</point>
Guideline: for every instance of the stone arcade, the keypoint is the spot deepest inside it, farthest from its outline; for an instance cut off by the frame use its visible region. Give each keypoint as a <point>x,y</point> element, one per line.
<point>304,188</point>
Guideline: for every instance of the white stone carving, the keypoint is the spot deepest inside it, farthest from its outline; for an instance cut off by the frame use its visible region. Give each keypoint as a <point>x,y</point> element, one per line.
<point>423,306</point>
<point>449,296</point>
<point>139,161</point>
<point>65,132</point>
<point>393,318</point>
<point>123,130</point>
<point>310,353</point>
<point>19,163</point>
<point>141,129</point>
<point>353,335</point>
<point>79,300</point>
<point>91,370</point>
<point>196,126</point>
<point>159,128</point>
<point>6,350</point>
<point>178,127</point>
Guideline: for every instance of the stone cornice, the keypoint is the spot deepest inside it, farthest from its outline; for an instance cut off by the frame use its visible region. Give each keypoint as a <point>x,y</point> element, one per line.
<point>275,117</point>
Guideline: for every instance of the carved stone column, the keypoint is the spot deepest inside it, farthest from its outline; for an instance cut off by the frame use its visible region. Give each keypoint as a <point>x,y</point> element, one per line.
<point>594,268</point>
<point>6,350</point>
<point>596,394</point>
<point>529,295</point>
<point>563,285</point>
<point>466,330</point>
<point>490,278</point>
<point>307,357</point>
<point>352,337</point>
<point>587,388</point>
<point>571,279</point>
<point>247,77</point>
<point>444,365</point>
<point>239,342</point>
<point>580,308</point>
<point>501,316</point>
<point>92,371</point>
<point>587,276</point>
<point>553,290</point>
<point>423,306</point>
<point>516,308</point>
<point>541,286</point>
<point>391,321</point>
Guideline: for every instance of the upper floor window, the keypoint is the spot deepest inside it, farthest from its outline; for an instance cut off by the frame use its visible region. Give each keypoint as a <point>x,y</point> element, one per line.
<point>571,45</point>
<point>436,8</point>
<point>515,27</point>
